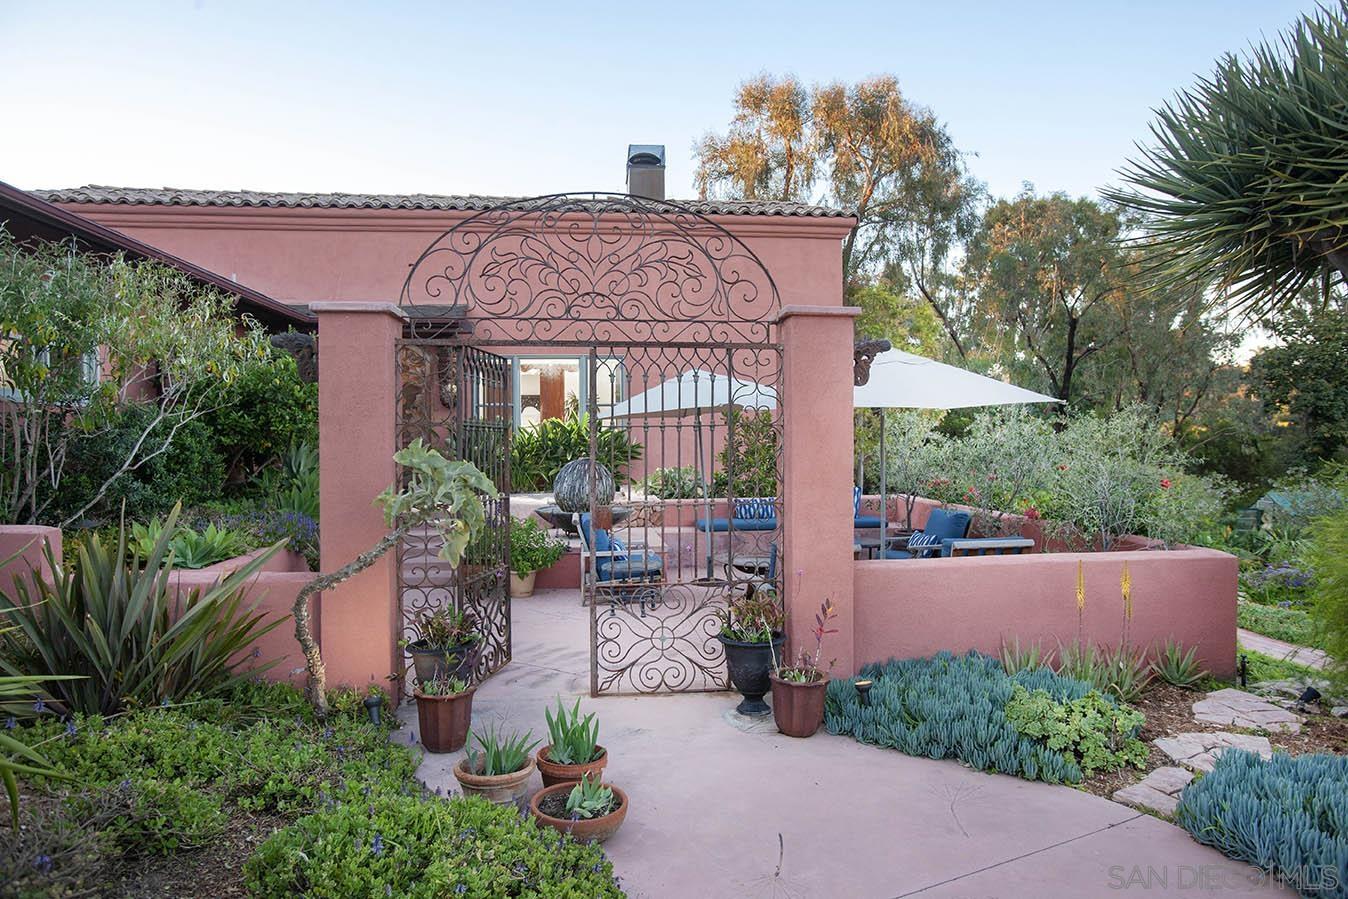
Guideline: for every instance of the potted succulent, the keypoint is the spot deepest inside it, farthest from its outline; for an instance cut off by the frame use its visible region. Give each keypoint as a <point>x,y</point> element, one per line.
<point>798,690</point>
<point>589,811</point>
<point>444,645</point>
<point>499,768</point>
<point>444,710</point>
<point>751,632</point>
<point>531,550</point>
<point>574,752</point>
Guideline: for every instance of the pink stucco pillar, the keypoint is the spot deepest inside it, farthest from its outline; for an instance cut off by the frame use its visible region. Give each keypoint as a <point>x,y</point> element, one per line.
<point>357,407</point>
<point>817,459</point>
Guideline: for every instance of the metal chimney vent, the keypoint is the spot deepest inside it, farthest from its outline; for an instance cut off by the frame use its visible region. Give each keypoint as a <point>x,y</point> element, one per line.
<point>646,171</point>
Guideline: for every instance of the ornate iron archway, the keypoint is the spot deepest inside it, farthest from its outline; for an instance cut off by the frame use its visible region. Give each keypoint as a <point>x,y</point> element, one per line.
<point>637,297</point>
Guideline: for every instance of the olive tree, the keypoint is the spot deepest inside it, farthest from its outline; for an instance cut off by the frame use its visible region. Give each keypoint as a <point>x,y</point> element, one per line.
<point>437,493</point>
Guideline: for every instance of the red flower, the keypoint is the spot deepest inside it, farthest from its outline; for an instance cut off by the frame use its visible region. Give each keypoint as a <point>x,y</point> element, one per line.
<point>1062,467</point>
<point>1165,483</point>
<point>1032,513</point>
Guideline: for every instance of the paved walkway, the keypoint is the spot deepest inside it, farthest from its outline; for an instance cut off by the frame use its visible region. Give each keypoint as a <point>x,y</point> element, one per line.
<point>1302,655</point>
<point>710,800</point>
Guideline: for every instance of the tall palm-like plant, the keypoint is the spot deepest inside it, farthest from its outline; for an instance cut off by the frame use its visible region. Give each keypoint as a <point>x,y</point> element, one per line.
<point>1246,187</point>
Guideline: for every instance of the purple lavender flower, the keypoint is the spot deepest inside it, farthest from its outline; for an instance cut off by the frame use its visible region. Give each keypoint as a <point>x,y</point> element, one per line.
<point>11,723</point>
<point>70,729</point>
<point>39,706</point>
<point>43,864</point>
<point>377,845</point>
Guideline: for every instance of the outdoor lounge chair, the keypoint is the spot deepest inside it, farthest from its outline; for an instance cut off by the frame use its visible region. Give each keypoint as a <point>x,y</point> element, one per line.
<point>608,560</point>
<point>859,521</point>
<point>757,514</point>
<point>941,525</point>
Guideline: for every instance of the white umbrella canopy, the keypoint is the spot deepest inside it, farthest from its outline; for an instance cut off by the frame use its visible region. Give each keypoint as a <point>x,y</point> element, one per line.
<point>902,380</point>
<point>695,391</point>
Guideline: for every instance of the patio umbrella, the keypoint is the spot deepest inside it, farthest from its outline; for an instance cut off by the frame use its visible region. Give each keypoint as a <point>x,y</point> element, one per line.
<point>692,392</point>
<point>902,380</point>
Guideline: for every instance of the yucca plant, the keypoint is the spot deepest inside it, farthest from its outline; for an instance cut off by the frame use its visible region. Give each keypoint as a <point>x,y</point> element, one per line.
<point>118,624</point>
<point>1247,184</point>
<point>497,753</point>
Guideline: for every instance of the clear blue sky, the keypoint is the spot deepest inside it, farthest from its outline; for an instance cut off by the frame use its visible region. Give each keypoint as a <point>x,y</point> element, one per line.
<point>523,98</point>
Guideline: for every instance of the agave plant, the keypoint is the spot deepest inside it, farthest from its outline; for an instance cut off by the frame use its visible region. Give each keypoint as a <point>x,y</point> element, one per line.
<point>1247,184</point>
<point>126,632</point>
<point>589,799</point>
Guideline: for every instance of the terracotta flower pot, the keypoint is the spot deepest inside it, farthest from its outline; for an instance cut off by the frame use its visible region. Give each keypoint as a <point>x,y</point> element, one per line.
<point>749,665</point>
<point>444,720</point>
<point>502,789</point>
<point>522,586</point>
<point>585,830</point>
<point>554,773</point>
<point>798,709</point>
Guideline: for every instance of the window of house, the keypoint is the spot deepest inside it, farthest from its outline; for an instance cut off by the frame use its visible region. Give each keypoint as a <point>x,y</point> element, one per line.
<point>556,386</point>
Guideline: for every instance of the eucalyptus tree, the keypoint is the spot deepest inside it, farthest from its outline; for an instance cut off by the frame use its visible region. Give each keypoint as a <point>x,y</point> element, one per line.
<point>1246,182</point>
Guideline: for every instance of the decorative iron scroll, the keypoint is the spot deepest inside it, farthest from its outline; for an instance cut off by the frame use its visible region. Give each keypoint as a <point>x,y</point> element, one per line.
<point>597,268</point>
<point>863,354</point>
<point>659,639</point>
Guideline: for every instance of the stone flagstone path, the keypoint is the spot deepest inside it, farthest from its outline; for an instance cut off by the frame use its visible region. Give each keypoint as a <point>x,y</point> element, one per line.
<point>1302,655</point>
<point>1199,751</point>
<point>1157,792</point>
<point>1236,708</point>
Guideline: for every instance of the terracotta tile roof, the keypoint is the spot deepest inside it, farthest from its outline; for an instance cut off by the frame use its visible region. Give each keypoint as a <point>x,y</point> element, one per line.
<point>171,196</point>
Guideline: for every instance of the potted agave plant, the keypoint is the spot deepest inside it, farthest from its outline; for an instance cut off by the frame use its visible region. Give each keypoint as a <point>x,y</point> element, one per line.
<point>589,811</point>
<point>445,644</point>
<point>574,752</point>
<point>498,768</point>
<point>798,690</point>
<point>751,632</point>
<point>444,711</point>
<point>531,550</point>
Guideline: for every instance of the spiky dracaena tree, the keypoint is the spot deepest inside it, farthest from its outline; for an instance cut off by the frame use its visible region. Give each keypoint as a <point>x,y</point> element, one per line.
<point>1246,187</point>
<point>437,493</point>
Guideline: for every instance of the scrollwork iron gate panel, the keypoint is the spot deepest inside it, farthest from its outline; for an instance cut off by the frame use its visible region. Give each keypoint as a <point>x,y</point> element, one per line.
<point>459,400</point>
<point>644,293</point>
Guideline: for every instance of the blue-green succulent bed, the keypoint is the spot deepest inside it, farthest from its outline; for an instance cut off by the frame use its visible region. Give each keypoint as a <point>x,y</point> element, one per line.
<point>1034,724</point>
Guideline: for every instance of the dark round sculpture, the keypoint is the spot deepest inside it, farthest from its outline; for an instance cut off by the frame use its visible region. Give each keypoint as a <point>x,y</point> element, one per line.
<point>571,489</point>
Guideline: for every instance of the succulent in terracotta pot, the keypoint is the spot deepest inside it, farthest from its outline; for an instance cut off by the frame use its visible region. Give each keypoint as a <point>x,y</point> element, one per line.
<point>589,811</point>
<point>798,690</point>
<point>574,751</point>
<point>444,712</point>
<point>498,767</point>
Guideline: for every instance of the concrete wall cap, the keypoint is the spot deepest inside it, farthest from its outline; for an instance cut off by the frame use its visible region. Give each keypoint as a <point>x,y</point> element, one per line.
<point>819,311</point>
<point>349,306</point>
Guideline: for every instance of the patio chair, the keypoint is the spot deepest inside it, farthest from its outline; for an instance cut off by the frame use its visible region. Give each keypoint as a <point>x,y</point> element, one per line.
<point>941,525</point>
<point>608,560</point>
<point>862,522</point>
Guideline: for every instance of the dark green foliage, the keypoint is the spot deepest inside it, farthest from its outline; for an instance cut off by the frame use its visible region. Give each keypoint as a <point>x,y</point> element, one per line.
<point>1288,815</point>
<point>190,471</point>
<point>752,450</point>
<point>1305,373</point>
<point>951,706</point>
<point>532,548</point>
<point>113,619</point>
<point>675,483</point>
<point>1101,735</point>
<point>537,453</point>
<point>422,846</point>
<point>1291,625</point>
<point>263,413</point>
<point>1329,558</point>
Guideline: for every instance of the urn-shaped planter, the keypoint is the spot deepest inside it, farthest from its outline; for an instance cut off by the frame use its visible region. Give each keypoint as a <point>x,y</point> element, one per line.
<point>444,720</point>
<point>522,586</point>
<point>434,662</point>
<point>749,665</point>
<point>549,807</point>
<point>798,708</point>
<point>502,789</point>
<point>554,773</point>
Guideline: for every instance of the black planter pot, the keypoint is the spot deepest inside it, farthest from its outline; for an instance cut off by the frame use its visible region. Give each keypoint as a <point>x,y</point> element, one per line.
<point>430,662</point>
<point>750,665</point>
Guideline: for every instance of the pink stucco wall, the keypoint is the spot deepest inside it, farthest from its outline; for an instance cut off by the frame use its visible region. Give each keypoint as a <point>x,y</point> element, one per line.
<point>916,607</point>
<point>22,551</point>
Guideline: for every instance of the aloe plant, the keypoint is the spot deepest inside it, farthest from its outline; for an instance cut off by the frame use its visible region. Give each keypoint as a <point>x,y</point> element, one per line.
<point>574,739</point>
<point>119,625</point>
<point>589,799</point>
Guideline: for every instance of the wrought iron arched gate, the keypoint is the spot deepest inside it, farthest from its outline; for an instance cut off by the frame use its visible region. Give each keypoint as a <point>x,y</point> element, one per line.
<point>658,327</point>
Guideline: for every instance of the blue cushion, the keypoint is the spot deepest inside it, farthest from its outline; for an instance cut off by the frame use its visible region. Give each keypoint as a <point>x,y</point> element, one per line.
<point>762,507</point>
<point>598,539</point>
<point>717,524</point>
<point>638,566</point>
<point>721,525</point>
<point>943,523</point>
<point>896,554</point>
<point>856,501</point>
<point>867,521</point>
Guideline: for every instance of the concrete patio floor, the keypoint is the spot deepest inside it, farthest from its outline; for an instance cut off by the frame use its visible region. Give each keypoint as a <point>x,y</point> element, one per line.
<point>710,799</point>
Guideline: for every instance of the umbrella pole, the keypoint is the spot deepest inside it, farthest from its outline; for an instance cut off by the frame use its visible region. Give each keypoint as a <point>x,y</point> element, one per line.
<point>706,488</point>
<point>884,490</point>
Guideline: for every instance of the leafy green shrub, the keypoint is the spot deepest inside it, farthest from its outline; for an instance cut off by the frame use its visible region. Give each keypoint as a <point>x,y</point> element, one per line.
<point>537,453</point>
<point>292,484</point>
<point>1177,666</point>
<point>263,412</point>
<point>752,450</point>
<point>152,817</point>
<point>299,532</point>
<point>1099,734</point>
<point>190,548</point>
<point>1287,815</point>
<point>675,483</point>
<point>532,548</point>
<point>1329,556</point>
<point>427,847</point>
<point>951,706</point>
<point>116,622</point>
<point>1292,625</point>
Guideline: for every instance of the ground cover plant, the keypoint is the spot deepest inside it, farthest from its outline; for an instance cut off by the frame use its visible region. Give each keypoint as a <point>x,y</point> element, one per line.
<point>968,707</point>
<point>1287,815</point>
<point>153,792</point>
